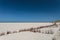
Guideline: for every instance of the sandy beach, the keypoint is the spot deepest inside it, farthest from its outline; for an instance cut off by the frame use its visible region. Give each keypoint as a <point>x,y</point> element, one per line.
<point>4,27</point>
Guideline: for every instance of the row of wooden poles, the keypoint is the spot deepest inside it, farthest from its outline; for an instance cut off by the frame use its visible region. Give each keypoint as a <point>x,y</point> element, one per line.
<point>30,29</point>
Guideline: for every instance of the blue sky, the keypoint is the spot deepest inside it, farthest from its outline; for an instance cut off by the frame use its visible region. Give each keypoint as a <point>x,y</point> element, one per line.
<point>29,10</point>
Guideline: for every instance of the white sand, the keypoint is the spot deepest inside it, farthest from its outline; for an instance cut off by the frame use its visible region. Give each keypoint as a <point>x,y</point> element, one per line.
<point>24,35</point>
<point>16,26</point>
<point>27,36</point>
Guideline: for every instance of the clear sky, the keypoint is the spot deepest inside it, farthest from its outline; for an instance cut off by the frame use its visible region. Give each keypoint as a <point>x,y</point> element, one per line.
<point>29,10</point>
